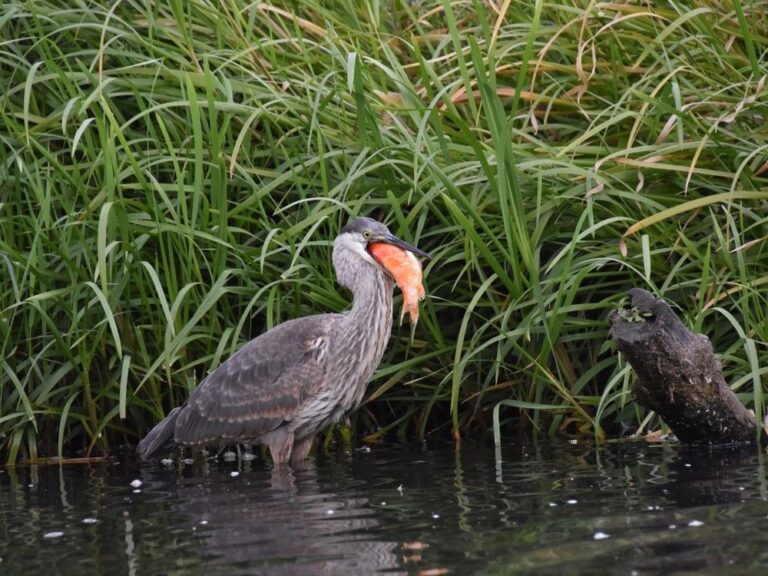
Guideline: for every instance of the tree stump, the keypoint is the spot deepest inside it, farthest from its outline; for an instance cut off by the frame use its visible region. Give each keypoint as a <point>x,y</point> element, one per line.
<point>678,375</point>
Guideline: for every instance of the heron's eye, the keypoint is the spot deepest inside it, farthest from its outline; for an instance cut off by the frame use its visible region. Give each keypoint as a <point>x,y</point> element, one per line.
<point>367,235</point>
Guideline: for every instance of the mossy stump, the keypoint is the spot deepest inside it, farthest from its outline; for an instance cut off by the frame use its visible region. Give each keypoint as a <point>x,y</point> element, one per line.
<point>678,375</point>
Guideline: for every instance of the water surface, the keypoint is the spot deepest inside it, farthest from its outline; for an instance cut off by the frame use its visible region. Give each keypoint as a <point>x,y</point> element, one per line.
<point>527,509</point>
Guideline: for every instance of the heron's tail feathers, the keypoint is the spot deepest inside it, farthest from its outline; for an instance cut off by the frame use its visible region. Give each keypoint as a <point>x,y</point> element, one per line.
<point>160,436</point>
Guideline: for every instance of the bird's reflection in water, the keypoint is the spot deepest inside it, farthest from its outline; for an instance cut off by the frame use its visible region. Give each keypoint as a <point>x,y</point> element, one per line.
<point>283,523</point>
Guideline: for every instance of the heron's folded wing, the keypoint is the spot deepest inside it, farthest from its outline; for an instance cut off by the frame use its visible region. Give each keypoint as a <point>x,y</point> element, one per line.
<point>260,386</point>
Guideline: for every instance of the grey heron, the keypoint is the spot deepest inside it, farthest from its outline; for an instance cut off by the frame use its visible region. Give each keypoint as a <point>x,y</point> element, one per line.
<point>286,385</point>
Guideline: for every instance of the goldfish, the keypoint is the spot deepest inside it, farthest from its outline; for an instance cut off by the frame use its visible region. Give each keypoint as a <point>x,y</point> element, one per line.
<point>405,268</point>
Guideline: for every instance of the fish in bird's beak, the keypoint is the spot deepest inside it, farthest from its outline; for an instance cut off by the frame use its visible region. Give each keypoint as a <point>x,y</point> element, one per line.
<point>398,258</point>
<point>395,241</point>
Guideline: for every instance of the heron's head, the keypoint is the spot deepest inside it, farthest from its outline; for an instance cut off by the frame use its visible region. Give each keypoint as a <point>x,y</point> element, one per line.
<point>350,249</point>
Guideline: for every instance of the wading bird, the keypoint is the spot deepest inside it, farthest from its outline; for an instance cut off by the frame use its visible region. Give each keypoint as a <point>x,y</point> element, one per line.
<point>283,387</point>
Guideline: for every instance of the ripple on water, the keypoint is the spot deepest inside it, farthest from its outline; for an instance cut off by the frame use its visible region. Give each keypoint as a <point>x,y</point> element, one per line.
<point>539,508</point>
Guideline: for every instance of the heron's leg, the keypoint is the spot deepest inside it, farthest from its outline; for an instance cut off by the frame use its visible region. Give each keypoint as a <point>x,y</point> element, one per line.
<point>280,444</point>
<point>301,449</point>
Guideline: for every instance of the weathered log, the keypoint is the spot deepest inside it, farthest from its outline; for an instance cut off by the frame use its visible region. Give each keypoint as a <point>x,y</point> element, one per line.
<point>678,375</point>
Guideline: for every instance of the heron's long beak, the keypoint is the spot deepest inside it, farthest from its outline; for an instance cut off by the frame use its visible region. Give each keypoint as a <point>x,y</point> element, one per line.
<point>395,241</point>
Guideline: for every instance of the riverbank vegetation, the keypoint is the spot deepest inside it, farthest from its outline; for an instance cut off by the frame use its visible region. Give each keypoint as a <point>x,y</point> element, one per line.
<point>173,174</point>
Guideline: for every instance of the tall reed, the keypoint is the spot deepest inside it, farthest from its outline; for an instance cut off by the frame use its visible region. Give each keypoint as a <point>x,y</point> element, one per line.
<point>173,174</point>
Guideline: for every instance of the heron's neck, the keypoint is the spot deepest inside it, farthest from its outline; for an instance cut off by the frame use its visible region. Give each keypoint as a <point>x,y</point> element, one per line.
<point>364,332</point>
<point>361,335</point>
<point>371,304</point>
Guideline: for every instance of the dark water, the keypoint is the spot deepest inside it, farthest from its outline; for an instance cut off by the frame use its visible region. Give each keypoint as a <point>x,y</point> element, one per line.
<point>538,509</point>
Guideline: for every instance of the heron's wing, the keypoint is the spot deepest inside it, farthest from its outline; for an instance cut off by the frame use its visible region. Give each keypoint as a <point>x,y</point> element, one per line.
<point>260,386</point>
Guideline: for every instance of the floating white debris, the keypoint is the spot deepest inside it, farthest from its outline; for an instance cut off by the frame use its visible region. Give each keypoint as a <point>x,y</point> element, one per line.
<point>229,456</point>
<point>55,534</point>
<point>364,449</point>
<point>600,536</point>
<point>435,516</point>
<point>203,522</point>
<point>188,461</point>
<point>574,441</point>
<point>695,523</point>
<point>688,465</point>
<point>166,462</point>
<point>552,504</point>
<point>234,473</point>
<point>400,488</point>
<point>137,491</point>
<point>672,526</point>
<point>329,512</point>
<point>136,483</point>
<point>572,501</point>
<point>248,456</point>
<point>383,503</point>
<point>89,521</point>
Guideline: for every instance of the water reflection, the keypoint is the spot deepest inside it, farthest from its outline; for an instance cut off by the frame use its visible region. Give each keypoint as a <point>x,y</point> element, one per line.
<point>533,508</point>
<point>287,525</point>
<point>643,509</point>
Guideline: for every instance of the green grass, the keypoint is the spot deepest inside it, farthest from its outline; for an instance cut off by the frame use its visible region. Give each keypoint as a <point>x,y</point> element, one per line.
<point>173,174</point>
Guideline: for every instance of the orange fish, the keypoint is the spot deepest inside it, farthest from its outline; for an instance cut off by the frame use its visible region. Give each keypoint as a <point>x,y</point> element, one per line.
<point>405,268</point>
